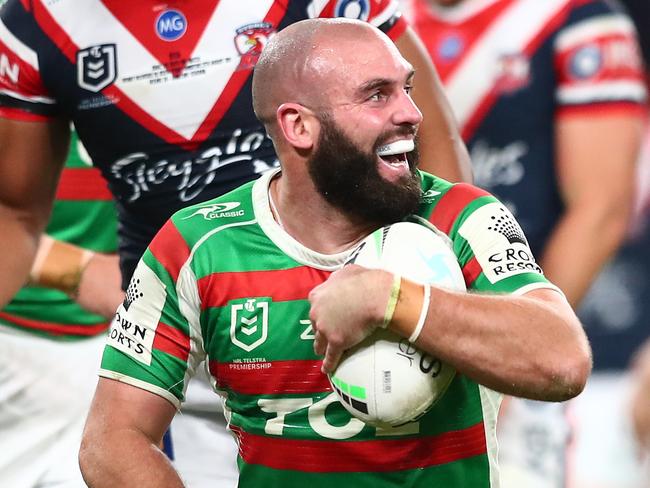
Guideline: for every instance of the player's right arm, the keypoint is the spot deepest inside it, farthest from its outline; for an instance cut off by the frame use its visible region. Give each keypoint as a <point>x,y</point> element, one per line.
<point>125,426</point>
<point>34,140</point>
<point>153,346</point>
<point>32,154</point>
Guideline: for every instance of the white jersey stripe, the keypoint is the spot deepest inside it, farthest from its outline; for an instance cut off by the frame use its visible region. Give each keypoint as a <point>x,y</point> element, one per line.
<point>588,30</point>
<point>523,21</point>
<point>19,96</point>
<point>16,45</point>
<point>601,92</point>
<point>172,96</point>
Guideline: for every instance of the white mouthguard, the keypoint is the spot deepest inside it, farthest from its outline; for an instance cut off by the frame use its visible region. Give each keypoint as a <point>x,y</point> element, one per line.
<point>397,147</point>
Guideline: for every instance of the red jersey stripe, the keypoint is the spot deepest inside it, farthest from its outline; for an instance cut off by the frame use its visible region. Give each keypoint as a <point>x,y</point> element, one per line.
<point>82,184</point>
<point>170,249</point>
<point>172,341</point>
<point>471,271</point>
<point>606,109</point>
<point>272,377</point>
<point>55,328</point>
<point>452,203</point>
<point>217,289</point>
<point>361,456</point>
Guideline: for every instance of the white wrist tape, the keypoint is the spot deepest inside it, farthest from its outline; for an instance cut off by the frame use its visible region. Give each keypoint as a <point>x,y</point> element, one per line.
<point>423,315</point>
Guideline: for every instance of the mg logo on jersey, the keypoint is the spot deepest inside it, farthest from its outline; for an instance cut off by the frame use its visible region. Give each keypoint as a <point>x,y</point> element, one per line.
<point>171,25</point>
<point>250,39</point>
<point>96,67</point>
<point>352,9</point>
<point>249,323</point>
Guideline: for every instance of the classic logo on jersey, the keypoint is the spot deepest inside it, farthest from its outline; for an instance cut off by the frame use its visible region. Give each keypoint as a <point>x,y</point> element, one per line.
<point>429,196</point>
<point>498,243</point>
<point>170,25</point>
<point>218,210</point>
<point>249,322</point>
<point>136,320</point>
<point>250,39</point>
<point>513,72</point>
<point>352,9</point>
<point>96,67</point>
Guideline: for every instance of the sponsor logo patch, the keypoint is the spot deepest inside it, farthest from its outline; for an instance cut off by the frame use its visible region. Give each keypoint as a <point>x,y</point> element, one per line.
<point>136,320</point>
<point>218,210</point>
<point>96,67</point>
<point>586,62</point>
<point>250,40</point>
<point>450,47</point>
<point>513,72</point>
<point>171,25</point>
<point>249,322</point>
<point>352,9</point>
<point>498,243</point>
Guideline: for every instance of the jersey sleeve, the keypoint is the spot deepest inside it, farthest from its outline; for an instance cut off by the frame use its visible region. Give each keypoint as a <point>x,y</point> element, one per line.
<point>489,244</point>
<point>154,342</point>
<point>23,95</point>
<point>383,14</point>
<point>598,62</point>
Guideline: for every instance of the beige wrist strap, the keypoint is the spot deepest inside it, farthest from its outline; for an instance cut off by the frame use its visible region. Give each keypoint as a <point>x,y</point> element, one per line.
<point>411,309</point>
<point>59,265</point>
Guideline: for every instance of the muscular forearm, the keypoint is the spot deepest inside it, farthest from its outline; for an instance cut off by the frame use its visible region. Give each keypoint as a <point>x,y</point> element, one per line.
<point>126,459</point>
<point>19,244</point>
<point>581,243</point>
<point>516,345</point>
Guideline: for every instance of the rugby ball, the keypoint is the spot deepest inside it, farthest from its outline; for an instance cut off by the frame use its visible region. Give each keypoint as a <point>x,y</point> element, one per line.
<point>386,381</point>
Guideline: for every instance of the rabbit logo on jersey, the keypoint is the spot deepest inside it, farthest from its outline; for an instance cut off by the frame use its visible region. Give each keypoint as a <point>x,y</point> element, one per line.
<point>498,243</point>
<point>249,322</point>
<point>134,326</point>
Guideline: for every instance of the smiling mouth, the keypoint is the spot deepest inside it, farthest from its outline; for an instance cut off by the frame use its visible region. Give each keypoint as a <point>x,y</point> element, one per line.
<point>395,152</point>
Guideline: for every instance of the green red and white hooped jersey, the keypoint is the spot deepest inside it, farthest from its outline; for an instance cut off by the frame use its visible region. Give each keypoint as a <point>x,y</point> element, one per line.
<point>83,214</point>
<point>223,282</point>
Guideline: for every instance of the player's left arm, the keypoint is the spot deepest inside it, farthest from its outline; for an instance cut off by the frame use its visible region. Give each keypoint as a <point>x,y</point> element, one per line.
<point>531,345</point>
<point>598,131</point>
<point>595,165</point>
<point>442,151</point>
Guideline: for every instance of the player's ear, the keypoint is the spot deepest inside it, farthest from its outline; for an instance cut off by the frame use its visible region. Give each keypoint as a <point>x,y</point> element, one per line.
<point>298,125</point>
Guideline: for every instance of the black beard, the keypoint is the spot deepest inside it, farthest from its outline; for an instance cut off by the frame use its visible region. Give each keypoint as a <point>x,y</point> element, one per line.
<point>349,180</point>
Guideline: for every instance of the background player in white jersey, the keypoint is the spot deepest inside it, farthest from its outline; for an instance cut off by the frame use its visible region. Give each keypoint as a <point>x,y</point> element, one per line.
<point>160,95</point>
<point>321,87</point>
<point>549,97</point>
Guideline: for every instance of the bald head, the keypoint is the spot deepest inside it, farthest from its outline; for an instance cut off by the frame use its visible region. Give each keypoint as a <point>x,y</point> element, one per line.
<point>297,63</point>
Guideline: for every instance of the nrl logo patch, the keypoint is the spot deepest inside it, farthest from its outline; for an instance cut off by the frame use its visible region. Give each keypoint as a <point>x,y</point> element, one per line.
<point>96,67</point>
<point>218,210</point>
<point>249,323</point>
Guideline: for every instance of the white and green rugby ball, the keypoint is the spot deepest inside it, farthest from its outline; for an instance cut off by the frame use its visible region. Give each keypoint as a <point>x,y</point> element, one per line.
<point>385,380</point>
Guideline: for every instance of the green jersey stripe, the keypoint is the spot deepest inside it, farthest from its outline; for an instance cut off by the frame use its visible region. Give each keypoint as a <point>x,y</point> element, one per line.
<point>381,455</point>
